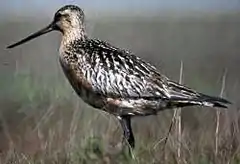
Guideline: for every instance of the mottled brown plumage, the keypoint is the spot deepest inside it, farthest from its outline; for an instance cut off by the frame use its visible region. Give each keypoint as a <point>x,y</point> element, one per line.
<point>113,79</point>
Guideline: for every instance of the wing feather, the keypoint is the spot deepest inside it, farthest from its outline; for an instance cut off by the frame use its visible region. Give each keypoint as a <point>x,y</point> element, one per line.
<point>115,72</point>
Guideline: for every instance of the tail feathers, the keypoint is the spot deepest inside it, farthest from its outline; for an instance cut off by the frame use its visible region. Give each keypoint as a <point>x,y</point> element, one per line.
<point>203,100</point>
<point>181,96</point>
<point>214,101</point>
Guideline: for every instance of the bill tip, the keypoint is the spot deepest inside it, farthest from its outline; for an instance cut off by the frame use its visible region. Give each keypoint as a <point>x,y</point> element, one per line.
<point>9,47</point>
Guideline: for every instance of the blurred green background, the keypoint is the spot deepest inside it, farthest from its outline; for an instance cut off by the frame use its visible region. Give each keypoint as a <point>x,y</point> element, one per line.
<point>41,116</point>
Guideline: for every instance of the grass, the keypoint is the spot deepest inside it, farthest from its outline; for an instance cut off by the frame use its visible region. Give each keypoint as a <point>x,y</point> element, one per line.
<point>43,125</point>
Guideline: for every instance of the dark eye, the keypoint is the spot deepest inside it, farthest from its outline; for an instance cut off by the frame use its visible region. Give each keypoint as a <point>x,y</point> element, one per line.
<point>66,17</point>
<point>58,16</point>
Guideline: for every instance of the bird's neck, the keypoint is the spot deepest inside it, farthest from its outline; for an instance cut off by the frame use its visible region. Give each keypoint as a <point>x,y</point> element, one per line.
<point>70,36</point>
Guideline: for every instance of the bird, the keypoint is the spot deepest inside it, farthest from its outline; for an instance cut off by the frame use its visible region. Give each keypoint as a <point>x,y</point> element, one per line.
<point>115,80</point>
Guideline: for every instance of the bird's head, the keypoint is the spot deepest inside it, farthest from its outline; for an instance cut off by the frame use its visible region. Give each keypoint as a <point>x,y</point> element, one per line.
<point>69,20</point>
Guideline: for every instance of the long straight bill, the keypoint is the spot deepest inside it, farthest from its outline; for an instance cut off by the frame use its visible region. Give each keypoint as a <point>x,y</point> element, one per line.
<point>45,30</point>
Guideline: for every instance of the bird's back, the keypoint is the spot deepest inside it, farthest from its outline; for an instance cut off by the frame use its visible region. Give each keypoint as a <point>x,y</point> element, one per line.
<point>109,77</point>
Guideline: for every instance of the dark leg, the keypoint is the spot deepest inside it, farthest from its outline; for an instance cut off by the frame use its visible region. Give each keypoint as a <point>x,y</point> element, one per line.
<point>125,122</point>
